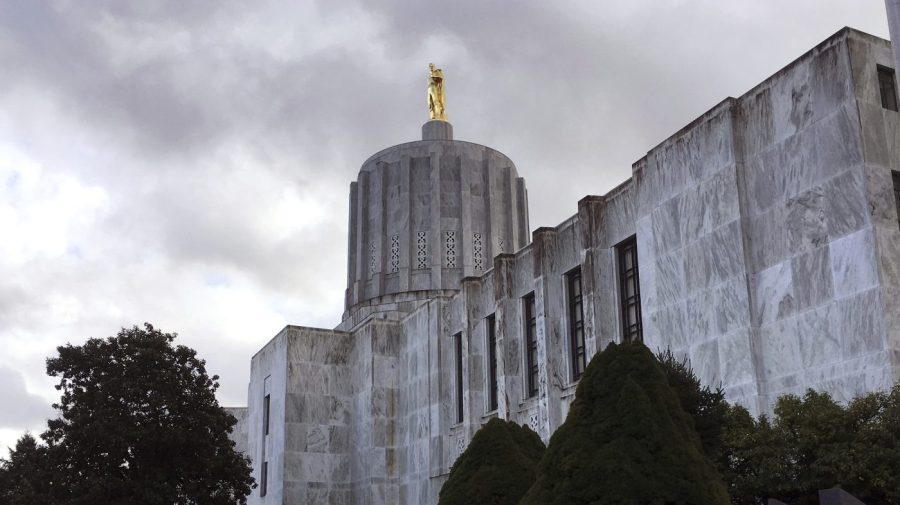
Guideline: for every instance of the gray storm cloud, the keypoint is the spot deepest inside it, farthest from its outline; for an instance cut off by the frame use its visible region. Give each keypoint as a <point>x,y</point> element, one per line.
<point>187,163</point>
<point>21,408</point>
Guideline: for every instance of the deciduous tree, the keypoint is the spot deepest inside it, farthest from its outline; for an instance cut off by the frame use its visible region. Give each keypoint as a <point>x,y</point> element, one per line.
<point>138,423</point>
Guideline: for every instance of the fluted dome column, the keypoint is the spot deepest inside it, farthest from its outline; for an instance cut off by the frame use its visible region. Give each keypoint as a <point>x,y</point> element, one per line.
<point>425,214</point>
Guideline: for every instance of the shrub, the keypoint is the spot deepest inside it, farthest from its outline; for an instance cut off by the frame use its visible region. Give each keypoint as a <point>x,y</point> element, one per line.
<point>626,440</point>
<point>497,468</point>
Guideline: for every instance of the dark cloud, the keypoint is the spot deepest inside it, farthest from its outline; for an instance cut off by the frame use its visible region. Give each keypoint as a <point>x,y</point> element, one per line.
<point>188,162</point>
<point>20,408</point>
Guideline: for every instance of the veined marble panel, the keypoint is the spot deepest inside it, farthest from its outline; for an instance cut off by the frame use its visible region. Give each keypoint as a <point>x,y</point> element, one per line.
<point>811,276</point>
<point>773,297</point>
<point>781,348</point>
<point>861,323</point>
<point>853,264</point>
<point>736,358</point>
<point>806,221</point>
<point>845,203</point>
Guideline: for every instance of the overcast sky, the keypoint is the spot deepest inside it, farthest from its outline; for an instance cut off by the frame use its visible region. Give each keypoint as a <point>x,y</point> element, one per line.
<point>188,163</point>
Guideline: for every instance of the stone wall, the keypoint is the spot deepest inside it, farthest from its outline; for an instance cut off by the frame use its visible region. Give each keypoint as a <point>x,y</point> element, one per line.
<point>239,432</point>
<point>768,252</point>
<point>816,307</point>
<point>767,249</point>
<point>374,379</point>
<point>307,374</point>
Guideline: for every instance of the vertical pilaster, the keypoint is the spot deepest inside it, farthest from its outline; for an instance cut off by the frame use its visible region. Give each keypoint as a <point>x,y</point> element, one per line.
<point>550,377</point>
<point>893,16</point>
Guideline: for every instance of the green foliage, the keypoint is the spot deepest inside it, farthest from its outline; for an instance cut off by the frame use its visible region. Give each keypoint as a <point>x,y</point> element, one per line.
<point>497,468</point>
<point>626,440</point>
<point>139,423</point>
<point>814,443</point>
<point>706,407</point>
<point>26,478</point>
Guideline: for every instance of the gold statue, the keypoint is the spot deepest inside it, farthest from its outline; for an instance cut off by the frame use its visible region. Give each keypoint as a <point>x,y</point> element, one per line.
<point>436,99</point>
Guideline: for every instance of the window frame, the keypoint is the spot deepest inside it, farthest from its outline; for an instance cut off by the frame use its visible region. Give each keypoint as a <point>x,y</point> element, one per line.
<point>458,355</point>
<point>529,323</point>
<point>631,330</point>
<point>491,355</point>
<point>575,306</point>
<point>264,479</point>
<point>895,181</point>
<point>887,87</point>
<point>267,404</point>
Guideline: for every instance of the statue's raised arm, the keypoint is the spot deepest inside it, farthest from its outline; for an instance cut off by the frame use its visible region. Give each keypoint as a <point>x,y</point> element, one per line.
<point>436,93</point>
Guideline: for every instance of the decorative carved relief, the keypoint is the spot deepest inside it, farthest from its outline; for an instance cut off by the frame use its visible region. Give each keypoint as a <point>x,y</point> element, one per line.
<point>499,245</point>
<point>450,249</point>
<point>395,253</point>
<point>460,445</point>
<point>373,259</point>
<point>533,422</point>
<point>421,250</point>
<point>477,254</point>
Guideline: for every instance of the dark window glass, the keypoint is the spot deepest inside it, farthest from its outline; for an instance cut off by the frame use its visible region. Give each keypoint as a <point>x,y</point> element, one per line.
<point>266,415</point>
<point>630,290</point>
<point>896,177</point>
<point>888,86</point>
<point>576,323</point>
<point>531,363</point>
<point>459,377</point>
<point>492,361</point>
<point>264,478</point>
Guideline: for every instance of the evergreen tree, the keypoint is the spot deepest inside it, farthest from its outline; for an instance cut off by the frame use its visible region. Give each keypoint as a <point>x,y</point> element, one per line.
<point>27,477</point>
<point>706,407</point>
<point>497,468</point>
<point>626,440</point>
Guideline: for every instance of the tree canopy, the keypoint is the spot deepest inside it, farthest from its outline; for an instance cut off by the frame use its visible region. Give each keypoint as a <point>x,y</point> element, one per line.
<point>138,423</point>
<point>626,440</point>
<point>26,478</point>
<point>496,468</point>
<point>814,443</point>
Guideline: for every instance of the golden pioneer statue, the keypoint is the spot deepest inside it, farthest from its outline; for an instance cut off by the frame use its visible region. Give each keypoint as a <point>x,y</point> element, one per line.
<point>436,99</point>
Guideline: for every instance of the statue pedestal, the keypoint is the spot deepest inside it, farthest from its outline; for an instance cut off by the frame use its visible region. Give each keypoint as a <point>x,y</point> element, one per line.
<point>437,129</point>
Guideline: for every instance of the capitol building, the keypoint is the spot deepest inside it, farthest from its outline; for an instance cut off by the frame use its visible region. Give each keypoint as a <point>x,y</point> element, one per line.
<point>761,242</point>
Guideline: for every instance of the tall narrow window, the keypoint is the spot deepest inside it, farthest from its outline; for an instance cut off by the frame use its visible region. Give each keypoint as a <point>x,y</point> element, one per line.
<point>888,86</point>
<point>264,478</point>
<point>491,322</point>
<point>459,377</point>
<point>896,178</point>
<point>531,363</point>
<point>629,290</point>
<point>576,323</point>
<point>266,402</point>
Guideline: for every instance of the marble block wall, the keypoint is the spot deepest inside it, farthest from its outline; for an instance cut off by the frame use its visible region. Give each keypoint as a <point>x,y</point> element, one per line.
<point>758,256</point>
<point>893,14</point>
<point>424,408</point>
<point>240,433</point>
<point>768,251</point>
<point>306,373</point>
<point>375,386</point>
<point>880,131</point>
<point>816,302</point>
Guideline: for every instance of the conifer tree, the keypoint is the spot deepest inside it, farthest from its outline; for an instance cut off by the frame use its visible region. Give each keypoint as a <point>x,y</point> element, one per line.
<point>497,468</point>
<point>626,440</point>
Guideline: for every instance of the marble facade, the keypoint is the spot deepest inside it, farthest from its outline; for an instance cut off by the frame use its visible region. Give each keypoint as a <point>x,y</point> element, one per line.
<point>768,251</point>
